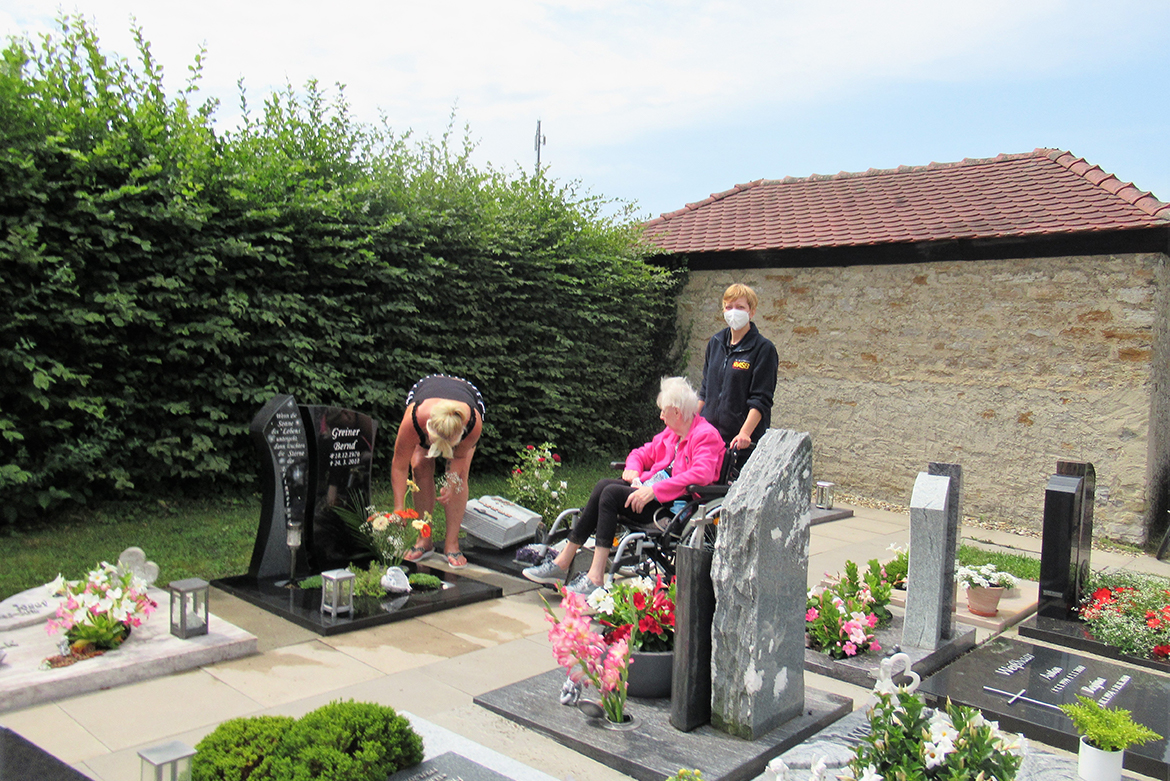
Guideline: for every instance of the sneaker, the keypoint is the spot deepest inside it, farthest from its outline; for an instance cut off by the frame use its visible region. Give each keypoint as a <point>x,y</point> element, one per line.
<point>547,573</point>
<point>581,584</point>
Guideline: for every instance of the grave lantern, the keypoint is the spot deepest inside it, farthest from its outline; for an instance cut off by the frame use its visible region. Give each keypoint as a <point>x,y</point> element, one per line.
<point>293,530</point>
<point>337,591</point>
<point>189,607</point>
<point>824,495</point>
<point>167,762</point>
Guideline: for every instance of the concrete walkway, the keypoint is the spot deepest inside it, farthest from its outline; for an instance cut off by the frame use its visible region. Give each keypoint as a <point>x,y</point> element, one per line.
<point>431,666</point>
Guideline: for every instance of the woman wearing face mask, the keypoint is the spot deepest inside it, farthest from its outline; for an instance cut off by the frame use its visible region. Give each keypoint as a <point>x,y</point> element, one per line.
<point>739,373</point>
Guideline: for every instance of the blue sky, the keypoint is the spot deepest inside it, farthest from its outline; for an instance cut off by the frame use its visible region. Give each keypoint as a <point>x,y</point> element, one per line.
<point>662,102</point>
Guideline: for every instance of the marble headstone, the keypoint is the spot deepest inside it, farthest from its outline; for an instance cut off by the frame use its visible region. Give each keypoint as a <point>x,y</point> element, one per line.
<point>759,573</point>
<point>278,433</point>
<point>930,577</point>
<point>1067,539</point>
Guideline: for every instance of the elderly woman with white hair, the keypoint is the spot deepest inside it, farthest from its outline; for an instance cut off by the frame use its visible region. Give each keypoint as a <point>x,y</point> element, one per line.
<point>689,451</point>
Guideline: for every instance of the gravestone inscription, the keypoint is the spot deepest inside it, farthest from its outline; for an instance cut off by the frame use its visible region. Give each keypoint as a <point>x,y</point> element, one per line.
<point>448,767</point>
<point>278,432</point>
<point>341,449</point>
<point>1023,684</point>
<point>1067,539</point>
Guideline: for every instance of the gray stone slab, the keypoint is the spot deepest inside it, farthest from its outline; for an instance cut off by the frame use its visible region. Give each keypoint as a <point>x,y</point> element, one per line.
<point>862,670</point>
<point>33,606</point>
<point>150,652</point>
<point>654,750</point>
<point>760,571</point>
<point>439,740</point>
<point>932,556</point>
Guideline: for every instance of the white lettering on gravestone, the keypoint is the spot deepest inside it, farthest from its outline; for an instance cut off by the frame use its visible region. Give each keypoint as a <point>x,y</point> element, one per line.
<point>1064,682</point>
<point>1015,665</point>
<point>1122,682</point>
<point>27,608</point>
<point>1051,673</point>
<point>1093,687</point>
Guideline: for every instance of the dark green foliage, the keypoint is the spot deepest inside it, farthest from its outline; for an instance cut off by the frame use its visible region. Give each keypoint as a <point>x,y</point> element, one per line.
<point>236,748</point>
<point>346,741</point>
<point>424,582</point>
<point>161,281</point>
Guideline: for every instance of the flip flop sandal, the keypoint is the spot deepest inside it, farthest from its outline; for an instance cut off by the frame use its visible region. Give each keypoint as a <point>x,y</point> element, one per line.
<point>455,555</point>
<point>418,553</point>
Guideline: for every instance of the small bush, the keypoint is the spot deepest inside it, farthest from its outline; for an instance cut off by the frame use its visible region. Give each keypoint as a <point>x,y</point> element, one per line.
<point>234,749</point>
<point>345,741</point>
<point>422,580</point>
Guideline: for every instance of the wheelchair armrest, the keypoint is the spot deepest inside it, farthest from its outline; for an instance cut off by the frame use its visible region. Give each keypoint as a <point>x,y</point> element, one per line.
<point>708,491</point>
<point>621,465</point>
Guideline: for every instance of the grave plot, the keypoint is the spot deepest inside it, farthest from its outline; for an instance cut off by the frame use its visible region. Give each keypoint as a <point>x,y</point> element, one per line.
<point>1023,684</point>
<point>313,460</point>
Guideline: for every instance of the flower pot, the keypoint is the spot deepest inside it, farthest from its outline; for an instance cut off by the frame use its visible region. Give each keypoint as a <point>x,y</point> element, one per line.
<point>984,601</point>
<point>650,674</point>
<point>1093,764</point>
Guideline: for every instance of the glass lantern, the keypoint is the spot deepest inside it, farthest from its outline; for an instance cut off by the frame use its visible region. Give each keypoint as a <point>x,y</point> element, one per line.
<point>189,607</point>
<point>167,762</point>
<point>824,495</point>
<point>337,591</point>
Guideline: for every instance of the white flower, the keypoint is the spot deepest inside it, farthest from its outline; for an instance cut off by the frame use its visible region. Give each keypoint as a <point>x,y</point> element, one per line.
<point>56,586</point>
<point>777,770</point>
<point>819,771</point>
<point>643,584</point>
<point>871,774</point>
<point>564,485</point>
<point>934,753</point>
<point>943,730</point>
<point>601,600</point>
<point>816,591</point>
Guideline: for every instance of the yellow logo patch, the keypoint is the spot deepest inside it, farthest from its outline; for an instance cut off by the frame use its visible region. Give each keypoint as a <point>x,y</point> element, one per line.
<point>745,365</point>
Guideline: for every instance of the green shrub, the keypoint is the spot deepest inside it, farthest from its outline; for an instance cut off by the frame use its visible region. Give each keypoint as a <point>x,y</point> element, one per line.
<point>234,749</point>
<point>424,581</point>
<point>345,741</point>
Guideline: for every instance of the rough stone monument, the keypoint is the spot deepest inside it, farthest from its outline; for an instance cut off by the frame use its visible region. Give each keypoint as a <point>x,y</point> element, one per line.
<point>759,573</point>
<point>934,538</point>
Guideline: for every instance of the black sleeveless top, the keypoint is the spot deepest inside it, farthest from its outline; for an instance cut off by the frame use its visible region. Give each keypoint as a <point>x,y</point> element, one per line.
<point>444,386</point>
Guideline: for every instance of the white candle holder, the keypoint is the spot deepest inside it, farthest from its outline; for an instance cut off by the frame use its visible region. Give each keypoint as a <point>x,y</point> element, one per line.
<point>337,591</point>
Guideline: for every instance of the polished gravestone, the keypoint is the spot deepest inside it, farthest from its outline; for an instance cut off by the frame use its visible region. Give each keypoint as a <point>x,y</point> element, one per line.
<point>21,760</point>
<point>303,606</point>
<point>1022,684</point>
<point>653,749</point>
<point>278,432</point>
<point>1067,539</point>
<point>448,767</point>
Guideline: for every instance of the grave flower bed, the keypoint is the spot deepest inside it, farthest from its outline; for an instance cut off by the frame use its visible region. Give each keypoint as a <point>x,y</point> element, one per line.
<point>1130,613</point>
<point>841,613</point>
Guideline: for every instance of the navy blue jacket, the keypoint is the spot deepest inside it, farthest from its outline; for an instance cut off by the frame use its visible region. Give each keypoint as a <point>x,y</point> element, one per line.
<point>737,378</point>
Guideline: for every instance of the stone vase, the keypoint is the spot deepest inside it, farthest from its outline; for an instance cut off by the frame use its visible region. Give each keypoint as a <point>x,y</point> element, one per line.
<point>1093,764</point>
<point>651,674</point>
<point>984,601</point>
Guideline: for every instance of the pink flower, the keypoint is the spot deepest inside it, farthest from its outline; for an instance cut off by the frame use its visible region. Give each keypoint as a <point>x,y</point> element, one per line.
<point>811,615</point>
<point>874,646</point>
<point>850,649</point>
<point>872,620</point>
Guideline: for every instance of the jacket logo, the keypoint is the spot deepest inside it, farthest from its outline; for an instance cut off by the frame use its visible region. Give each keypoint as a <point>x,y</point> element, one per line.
<point>741,365</point>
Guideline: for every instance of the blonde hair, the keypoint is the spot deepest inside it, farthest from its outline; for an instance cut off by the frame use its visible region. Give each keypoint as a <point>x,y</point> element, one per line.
<point>741,291</point>
<point>445,427</point>
<point>677,392</point>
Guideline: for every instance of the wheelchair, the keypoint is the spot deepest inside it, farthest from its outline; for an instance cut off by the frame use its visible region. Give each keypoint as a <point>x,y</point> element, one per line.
<point>648,549</point>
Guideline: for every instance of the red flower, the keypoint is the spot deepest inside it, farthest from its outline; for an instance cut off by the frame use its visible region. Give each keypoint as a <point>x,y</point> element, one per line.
<point>619,633</point>
<point>531,447</point>
<point>639,600</point>
<point>557,458</point>
<point>1161,651</point>
<point>648,624</point>
<point>1103,595</point>
<point>1152,620</point>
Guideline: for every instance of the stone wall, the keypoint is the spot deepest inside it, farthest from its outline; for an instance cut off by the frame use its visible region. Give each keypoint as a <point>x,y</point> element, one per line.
<point>1002,366</point>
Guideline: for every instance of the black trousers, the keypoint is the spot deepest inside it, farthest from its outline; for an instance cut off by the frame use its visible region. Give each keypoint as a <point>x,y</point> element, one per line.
<point>605,509</point>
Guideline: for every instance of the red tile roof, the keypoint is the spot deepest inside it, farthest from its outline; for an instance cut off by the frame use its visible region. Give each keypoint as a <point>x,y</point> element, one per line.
<point>1047,191</point>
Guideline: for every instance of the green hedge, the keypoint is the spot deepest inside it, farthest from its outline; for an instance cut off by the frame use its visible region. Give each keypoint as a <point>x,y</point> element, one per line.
<point>161,280</point>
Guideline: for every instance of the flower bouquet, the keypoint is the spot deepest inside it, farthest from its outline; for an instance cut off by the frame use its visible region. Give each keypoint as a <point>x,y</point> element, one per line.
<point>387,535</point>
<point>97,613</point>
<point>588,657</point>
<point>533,483</point>
<point>840,615</point>
<point>640,609</point>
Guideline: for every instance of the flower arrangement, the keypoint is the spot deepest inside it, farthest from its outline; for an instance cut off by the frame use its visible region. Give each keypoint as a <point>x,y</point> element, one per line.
<point>387,535</point>
<point>640,609</point>
<point>533,483</point>
<point>909,740</point>
<point>1108,729</point>
<point>1130,612</point>
<point>99,611</point>
<point>986,576</point>
<point>840,615</point>
<point>588,657</point>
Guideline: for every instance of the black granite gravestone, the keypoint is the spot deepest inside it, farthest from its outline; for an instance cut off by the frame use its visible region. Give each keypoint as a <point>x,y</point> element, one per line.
<point>690,696</point>
<point>1022,686</point>
<point>341,449</point>
<point>21,760</point>
<point>1066,545</point>
<point>279,435</point>
<point>448,767</point>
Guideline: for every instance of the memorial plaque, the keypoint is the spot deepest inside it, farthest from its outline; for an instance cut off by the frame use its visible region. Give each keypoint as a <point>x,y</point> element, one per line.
<point>341,449</point>
<point>448,767</point>
<point>1023,684</point>
<point>279,435</point>
<point>33,606</point>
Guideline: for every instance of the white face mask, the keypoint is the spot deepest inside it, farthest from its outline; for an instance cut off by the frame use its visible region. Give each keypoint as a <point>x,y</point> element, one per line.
<point>736,318</point>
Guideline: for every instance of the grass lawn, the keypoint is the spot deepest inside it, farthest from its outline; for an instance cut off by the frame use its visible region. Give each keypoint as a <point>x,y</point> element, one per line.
<point>1022,566</point>
<point>208,538</point>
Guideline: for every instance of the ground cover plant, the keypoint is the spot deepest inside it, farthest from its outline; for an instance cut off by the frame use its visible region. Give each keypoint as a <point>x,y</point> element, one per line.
<point>161,280</point>
<point>842,613</point>
<point>1130,612</point>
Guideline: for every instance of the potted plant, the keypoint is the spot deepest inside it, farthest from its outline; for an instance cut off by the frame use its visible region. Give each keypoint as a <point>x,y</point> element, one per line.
<point>642,611</point>
<point>1105,735</point>
<point>985,585</point>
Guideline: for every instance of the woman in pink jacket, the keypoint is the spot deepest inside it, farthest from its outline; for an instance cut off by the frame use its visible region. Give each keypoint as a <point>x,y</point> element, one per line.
<point>689,451</point>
